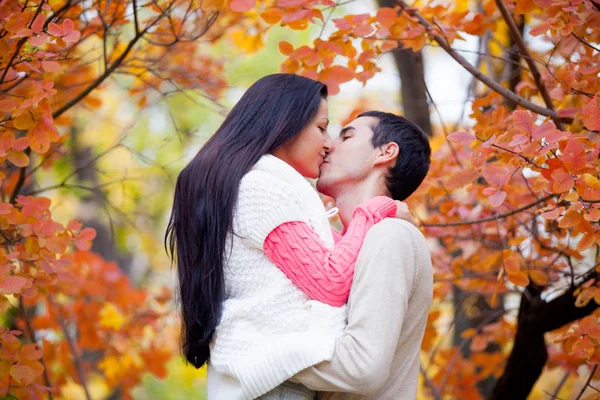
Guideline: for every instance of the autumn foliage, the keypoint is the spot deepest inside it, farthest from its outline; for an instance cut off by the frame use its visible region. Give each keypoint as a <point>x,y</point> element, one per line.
<point>512,199</point>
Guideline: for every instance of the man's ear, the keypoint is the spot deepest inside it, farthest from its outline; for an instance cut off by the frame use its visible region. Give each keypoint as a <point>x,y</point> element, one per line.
<point>387,154</point>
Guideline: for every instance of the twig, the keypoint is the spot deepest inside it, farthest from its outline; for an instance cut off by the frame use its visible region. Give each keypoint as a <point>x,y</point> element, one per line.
<point>516,35</point>
<point>492,218</point>
<point>107,72</point>
<point>585,43</point>
<point>429,384</point>
<point>587,383</point>
<point>73,348</point>
<point>31,334</point>
<point>491,83</point>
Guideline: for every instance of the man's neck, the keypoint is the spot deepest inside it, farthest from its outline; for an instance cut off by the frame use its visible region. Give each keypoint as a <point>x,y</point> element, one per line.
<point>348,198</point>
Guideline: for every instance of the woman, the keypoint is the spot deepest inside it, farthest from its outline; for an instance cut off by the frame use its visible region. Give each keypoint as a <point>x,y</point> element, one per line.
<point>263,315</point>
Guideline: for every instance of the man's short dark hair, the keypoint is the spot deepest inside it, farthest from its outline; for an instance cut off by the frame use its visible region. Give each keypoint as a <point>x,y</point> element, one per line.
<point>414,157</point>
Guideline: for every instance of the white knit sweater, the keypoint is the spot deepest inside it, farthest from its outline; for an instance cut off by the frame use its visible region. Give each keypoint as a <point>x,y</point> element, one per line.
<point>270,330</point>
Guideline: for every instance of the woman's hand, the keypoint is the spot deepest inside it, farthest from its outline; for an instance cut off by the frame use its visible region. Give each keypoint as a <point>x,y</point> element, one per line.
<point>403,212</point>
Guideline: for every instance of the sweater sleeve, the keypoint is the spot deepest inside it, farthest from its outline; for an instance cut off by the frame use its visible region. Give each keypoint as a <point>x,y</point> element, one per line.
<point>385,275</point>
<point>336,235</point>
<point>323,274</point>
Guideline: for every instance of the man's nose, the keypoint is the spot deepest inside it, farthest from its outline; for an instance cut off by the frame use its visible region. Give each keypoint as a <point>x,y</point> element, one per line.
<point>328,144</point>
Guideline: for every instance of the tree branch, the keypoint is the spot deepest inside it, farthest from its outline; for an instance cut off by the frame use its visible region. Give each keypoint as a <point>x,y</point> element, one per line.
<point>516,35</point>
<point>492,84</point>
<point>73,348</point>
<point>108,71</point>
<point>492,218</point>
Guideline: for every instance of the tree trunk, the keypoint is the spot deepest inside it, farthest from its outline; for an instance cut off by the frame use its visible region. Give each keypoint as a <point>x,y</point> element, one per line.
<point>412,81</point>
<point>529,353</point>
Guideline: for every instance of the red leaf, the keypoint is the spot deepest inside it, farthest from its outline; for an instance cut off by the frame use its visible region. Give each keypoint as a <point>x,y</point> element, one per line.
<point>13,284</point>
<point>461,137</point>
<point>242,5</point>
<point>51,66</point>
<point>67,26</point>
<point>37,41</point>
<point>524,120</point>
<point>591,114</point>
<point>54,29</point>
<point>497,198</point>
<point>496,174</point>
<point>573,156</point>
<point>87,234</point>
<point>72,37</point>
<point>38,23</point>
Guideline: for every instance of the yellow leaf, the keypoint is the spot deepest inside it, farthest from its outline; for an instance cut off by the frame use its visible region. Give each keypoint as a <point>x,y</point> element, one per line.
<point>24,121</point>
<point>111,317</point>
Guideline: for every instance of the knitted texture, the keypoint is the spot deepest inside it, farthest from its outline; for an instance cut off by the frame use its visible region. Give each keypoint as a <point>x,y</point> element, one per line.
<point>323,274</point>
<point>269,329</point>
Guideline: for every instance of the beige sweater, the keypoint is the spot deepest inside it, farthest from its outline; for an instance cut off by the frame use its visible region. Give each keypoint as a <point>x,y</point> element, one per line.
<point>378,355</point>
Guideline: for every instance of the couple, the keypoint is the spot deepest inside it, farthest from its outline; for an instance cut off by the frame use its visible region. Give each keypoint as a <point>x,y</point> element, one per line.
<point>279,304</point>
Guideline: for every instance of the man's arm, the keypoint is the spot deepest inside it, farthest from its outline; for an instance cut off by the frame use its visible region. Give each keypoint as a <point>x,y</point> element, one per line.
<point>383,281</point>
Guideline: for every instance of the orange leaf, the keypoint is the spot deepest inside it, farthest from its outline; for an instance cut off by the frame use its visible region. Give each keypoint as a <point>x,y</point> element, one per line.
<point>512,265</point>
<point>570,219</point>
<point>588,187</point>
<point>23,374</point>
<point>479,343</point>
<point>8,105</point>
<point>272,15</point>
<point>386,16</point>
<point>285,48</point>
<point>562,181</point>
<point>539,277</point>
<point>18,158</point>
<point>583,348</point>
<point>519,279</point>
<point>31,352</point>
<point>586,241</point>
<point>591,114</point>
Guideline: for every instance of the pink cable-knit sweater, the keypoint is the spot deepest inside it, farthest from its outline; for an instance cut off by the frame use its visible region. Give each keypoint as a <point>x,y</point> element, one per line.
<point>323,274</point>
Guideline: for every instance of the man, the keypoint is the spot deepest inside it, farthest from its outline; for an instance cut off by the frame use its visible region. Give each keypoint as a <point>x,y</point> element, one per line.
<point>378,355</point>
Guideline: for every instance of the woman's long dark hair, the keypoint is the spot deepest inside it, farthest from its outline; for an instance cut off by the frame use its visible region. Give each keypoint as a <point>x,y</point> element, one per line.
<point>272,112</point>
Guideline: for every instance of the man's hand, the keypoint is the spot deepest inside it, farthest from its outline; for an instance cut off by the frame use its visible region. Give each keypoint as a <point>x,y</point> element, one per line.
<point>403,212</point>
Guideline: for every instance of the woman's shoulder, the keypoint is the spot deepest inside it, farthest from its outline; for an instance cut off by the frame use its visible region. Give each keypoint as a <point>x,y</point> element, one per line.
<point>263,184</point>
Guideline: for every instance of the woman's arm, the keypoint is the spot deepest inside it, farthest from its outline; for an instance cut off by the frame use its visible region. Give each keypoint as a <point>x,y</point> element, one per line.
<point>323,274</point>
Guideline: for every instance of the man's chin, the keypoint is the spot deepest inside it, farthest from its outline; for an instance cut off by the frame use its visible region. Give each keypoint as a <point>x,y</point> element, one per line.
<point>324,185</point>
